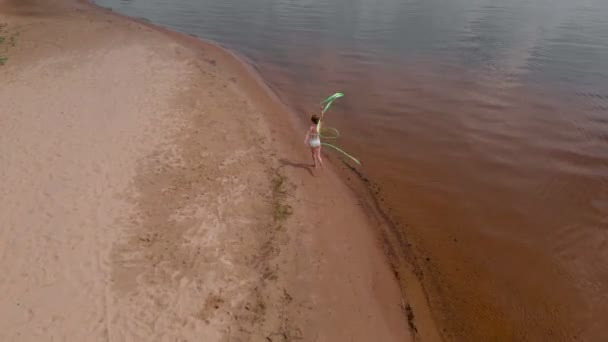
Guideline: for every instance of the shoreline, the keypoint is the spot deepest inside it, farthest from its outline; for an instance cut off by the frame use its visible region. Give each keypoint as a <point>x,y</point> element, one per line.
<point>402,259</point>
<point>448,316</point>
<point>291,184</point>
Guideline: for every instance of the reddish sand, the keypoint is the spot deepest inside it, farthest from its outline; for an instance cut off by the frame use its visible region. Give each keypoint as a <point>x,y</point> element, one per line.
<point>153,190</point>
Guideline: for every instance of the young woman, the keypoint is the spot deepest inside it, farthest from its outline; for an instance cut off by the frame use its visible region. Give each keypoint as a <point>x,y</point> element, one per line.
<point>313,140</point>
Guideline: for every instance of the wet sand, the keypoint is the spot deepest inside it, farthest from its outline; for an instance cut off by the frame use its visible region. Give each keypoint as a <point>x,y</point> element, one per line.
<point>508,241</point>
<point>151,189</point>
<point>485,139</point>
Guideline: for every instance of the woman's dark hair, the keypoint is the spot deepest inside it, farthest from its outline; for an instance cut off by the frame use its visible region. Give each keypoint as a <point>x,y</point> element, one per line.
<point>314,118</point>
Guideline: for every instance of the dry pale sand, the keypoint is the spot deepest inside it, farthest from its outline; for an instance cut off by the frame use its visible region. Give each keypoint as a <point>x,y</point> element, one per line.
<point>151,190</point>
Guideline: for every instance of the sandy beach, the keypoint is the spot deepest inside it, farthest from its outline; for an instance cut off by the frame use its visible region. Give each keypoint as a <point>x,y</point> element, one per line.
<point>152,190</point>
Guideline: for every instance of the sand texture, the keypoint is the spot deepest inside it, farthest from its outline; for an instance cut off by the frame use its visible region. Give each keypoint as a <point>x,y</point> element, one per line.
<point>148,192</point>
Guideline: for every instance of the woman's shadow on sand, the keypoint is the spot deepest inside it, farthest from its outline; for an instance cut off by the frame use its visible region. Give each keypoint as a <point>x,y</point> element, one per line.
<point>304,166</point>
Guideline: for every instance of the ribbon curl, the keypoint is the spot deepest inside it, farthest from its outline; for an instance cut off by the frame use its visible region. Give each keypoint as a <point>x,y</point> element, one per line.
<point>329,133</point>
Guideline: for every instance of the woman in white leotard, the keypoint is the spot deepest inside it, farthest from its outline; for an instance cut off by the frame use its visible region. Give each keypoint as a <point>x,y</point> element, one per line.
<point>313,140</point>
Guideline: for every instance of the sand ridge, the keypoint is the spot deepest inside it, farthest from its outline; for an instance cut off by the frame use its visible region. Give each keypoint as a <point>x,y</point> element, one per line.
<point>148,194</point>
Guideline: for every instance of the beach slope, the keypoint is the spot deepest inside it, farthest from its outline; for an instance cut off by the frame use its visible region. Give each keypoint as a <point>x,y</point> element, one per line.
<point>152,190</point>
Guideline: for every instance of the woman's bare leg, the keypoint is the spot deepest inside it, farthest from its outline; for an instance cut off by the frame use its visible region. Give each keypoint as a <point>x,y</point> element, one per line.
<point>318,155</point>
<point>314,159</point>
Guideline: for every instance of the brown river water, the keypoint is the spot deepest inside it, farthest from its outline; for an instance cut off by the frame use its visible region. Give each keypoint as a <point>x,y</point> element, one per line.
<point>485,123</point>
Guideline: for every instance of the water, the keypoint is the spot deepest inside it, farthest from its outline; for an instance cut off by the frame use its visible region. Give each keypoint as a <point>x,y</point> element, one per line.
<point>484,121</point>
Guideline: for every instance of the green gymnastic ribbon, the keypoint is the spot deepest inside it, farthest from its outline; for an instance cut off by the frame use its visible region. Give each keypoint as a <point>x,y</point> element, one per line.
<point>330,132</point>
